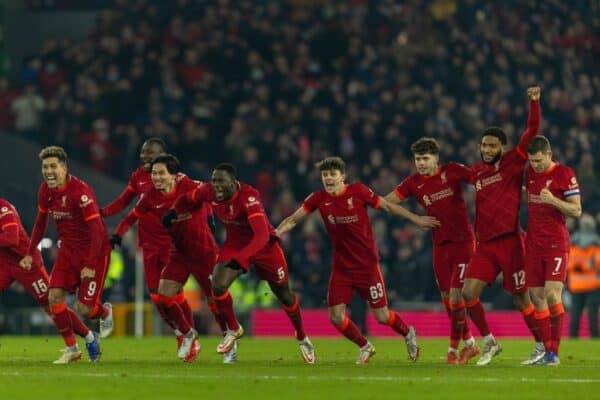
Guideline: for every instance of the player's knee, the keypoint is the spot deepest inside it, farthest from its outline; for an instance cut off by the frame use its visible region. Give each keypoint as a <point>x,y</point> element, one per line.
<point>218,289</point>
<point>552,297</point>
<point>82,309</point>
<point>468,294</point>
<point>336,319</point>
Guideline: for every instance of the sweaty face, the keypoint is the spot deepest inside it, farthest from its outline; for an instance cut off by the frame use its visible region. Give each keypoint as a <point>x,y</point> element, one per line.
<point>426,164</point>
<point>333,181</point>
<point>540,161</point>
<point>54,172</point>
<point>148,153</point>
<point>162,179</point>
<point>491,149</point>
<point>223,185</point>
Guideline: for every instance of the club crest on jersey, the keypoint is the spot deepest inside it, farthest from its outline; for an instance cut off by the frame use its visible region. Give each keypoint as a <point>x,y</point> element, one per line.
<point>251,201</point>
<point>426,200</point>
<point>63,201</point>
<point>443,177</point>
<point>85,200</point>
<point>231,209</point>
<point>331,219</point>
<point>548,183</point>
<point>350,204</point>
<point>5,211</point>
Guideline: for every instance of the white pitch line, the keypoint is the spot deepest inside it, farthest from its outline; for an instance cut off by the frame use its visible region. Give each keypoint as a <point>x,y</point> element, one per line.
<point>315,378</point>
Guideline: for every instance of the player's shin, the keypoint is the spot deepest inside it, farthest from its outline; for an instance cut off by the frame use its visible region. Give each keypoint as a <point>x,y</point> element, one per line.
<point>351,331</point>
<point>62,320</point>
<point>293,313</point>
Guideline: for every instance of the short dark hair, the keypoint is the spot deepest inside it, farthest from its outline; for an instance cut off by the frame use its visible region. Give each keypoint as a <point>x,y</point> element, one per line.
<point>171,162</point>
<point>495,131</point>
<point>425,145</point>
<point>229,168</point>
<point>53,151</point>
<point>331,163</point>
<point>158,141</point>
<point>539,144</point>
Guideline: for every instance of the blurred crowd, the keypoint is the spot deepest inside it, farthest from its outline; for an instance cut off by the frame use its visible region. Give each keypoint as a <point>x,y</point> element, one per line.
<point>273,86</point>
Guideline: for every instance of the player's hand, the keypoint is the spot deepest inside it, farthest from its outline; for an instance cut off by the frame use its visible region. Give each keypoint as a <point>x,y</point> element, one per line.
<point>88,273</point>
<point>426,222</point>
<point>533,93</point>
<point>169,218</point>
<point>546,196</point>
<point>115,240</point>
<point>26,262</point>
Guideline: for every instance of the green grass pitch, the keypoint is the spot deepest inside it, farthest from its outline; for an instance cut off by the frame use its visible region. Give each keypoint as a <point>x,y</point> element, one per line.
<point>148,368</point>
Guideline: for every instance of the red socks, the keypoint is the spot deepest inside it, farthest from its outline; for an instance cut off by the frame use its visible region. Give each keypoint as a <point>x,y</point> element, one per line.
<point>350,330</point>
<point>62,320</point>
<point>396,323</point>
<point>477,314</point>
<point>529,317</point>
<point>225,306</point>
<point>557,312</point>
<point>293,313</point>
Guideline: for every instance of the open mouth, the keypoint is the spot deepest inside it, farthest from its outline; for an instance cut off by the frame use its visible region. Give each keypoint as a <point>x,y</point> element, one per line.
<point>51,180</point>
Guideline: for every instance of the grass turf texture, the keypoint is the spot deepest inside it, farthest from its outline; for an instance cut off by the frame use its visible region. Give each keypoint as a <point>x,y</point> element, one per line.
<point>272,369</point>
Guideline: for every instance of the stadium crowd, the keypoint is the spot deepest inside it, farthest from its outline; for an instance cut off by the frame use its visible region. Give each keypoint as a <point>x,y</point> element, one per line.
<point>275,86</point>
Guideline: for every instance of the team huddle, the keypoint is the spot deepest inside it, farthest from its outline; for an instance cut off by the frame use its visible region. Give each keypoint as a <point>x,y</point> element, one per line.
<point>175,217</point>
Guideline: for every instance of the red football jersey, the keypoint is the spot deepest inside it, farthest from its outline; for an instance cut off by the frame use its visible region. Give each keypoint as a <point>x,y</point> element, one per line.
<point>152,236</point>
<point>442,197</point>
<point>190,233</point>
<point>498,186</point>
<point>348,224</point>
<point>546,230</point>
<point>10,223</point>
<point>235,212</point>
<point>71,207</point>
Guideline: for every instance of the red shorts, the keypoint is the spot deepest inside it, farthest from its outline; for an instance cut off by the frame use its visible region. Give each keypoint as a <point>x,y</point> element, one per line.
<point>368,284</point>
<point>180,267</point>
<point>270,263</point>
<point>153,266</point>
<point>66,275</point>
<point>34,281</point>
<point>450,261</point>
<point>540,268</point>
<point>504,254</point>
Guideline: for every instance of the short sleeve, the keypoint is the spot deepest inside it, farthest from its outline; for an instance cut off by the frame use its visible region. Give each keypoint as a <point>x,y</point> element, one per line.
<point>404,189</point>
<point>252,205</point>
<point>86,201</point>
<point>368,196</point>
<point>311,203</point>
<point>8,215</point>
<point>570,186</point>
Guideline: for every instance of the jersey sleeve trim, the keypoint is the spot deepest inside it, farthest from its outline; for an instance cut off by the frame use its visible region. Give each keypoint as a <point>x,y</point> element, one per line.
<point>377,202</point>
<point>8,224</point>
<point>42,210</point>
<point>258,214</point>
<point>572,192</point>
<point>91,217</point>
<point>398,194</point>
<point>307,208</point>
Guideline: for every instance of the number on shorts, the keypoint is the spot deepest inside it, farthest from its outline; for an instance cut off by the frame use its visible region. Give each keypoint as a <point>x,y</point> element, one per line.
<point>280,273</point>
<point>558,264</point>
<point>376,291</point>
<point>519,278</point>
<point>463,268</point>
<point>91,288</point>
<point>40,286</point>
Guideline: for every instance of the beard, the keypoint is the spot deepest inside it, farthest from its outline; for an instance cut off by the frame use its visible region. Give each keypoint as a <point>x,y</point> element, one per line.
<point>493,161</point>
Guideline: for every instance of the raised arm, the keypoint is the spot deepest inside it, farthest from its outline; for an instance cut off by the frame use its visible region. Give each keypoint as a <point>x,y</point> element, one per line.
<point>291,221</point>
<point>120,203</point>
<point>422,221</point>
<point>533,122</point>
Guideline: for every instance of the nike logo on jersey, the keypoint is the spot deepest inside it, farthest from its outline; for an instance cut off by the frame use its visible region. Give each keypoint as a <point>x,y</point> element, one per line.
<point>159,206</point>
<point>328,203</point>
<point>420,186</point>
<point>142,183</point>
<point>214,203</point>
